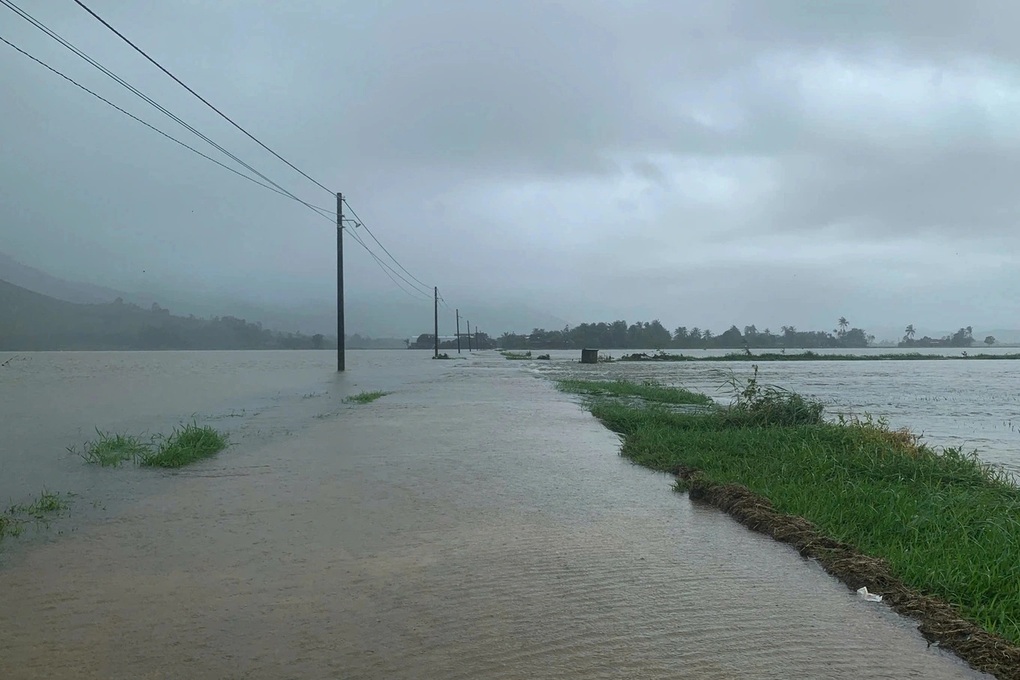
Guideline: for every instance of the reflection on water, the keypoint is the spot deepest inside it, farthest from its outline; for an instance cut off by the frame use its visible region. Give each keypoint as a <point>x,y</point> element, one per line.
<point>474,524</point>
<point>973,404</point>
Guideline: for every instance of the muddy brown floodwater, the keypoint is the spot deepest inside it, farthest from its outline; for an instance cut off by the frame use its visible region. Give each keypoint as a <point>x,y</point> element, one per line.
<point>474,524</point>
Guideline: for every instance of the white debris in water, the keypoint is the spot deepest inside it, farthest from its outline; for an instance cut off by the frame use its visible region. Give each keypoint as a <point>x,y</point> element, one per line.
<point>870,597</point>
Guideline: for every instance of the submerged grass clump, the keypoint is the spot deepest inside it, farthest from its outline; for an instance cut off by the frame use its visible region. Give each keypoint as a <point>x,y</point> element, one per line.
<point>648,391</point>
<point>110,450</point>
<point>516,356</point>
<point>927,526</point>
<point>186,444</point>
<point>365,397</point>
<point>17,517</point>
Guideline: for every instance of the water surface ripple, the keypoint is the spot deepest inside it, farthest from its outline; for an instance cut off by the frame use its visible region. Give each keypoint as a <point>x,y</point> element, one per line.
<point>474,524</point>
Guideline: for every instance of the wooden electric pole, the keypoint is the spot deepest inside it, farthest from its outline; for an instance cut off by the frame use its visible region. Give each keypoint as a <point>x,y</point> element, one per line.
<point>458,331</point>
<point>341,343</point>
<point>435,300</point>
<point>469,335</point>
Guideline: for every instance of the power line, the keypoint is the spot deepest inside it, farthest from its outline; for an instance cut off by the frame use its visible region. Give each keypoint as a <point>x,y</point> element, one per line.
<point>359,223</point>
<point>362,223</point>
<point>148,125</point>
<point>200,97</point>
<point>120,81</point>
<point>410,289</point>
<point>387,269</point>
<point>413,292</point>
<point>323,212</point>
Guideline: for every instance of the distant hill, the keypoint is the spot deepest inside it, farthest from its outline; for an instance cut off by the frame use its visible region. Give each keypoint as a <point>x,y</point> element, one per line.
<point>33,321</point>
<point>376,314</point>
<point>39,281</point>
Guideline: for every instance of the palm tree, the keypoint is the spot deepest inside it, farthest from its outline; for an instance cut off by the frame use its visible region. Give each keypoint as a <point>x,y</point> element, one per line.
<point>843,325</point>
<point>909,332</point>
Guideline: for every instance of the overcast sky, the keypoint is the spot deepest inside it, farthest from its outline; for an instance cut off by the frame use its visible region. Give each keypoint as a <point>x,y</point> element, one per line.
<point>704,163</point>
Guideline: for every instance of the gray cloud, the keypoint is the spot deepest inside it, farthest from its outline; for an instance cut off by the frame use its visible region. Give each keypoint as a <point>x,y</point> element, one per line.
<point>706,163</point>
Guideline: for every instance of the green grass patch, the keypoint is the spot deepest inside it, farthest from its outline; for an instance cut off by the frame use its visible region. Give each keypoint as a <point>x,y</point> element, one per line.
<point>110,450</point>
<point>17,517</point>
<point>365,397</point>
<point>947,524</point>
<point>648,391</point>
<point>185,445</point>
<point>516,356</point>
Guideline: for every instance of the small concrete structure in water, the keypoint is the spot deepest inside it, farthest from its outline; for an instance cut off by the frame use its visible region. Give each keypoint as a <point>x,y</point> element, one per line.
<point>589,356</point>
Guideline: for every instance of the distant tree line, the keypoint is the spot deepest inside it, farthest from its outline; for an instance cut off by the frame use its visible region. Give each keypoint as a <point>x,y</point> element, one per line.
<point>478,340</point>
<point>961,338</point>
<point>653,335</point>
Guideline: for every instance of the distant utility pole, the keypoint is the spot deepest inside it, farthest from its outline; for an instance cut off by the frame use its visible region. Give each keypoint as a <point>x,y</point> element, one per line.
<point>435,301</point>
<point>478,338</point>
<point>458,331</point>
<point>341,342</point>
<point>469,335</point>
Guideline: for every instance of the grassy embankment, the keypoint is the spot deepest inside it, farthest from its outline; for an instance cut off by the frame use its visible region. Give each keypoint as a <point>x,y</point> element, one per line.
<point>184,445</point>
<point>815,356</point>
<point>936,532</point>
<point>15,518</point>
<point>365,397</point>
<point>647,391</point>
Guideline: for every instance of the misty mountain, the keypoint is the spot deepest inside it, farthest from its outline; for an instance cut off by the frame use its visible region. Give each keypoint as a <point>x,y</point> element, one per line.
<point>372,315</point>
<point>39,281</point>
<point>31,321</point>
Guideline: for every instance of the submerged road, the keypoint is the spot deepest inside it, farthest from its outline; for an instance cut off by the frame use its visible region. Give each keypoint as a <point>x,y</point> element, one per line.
<point>476,525</point>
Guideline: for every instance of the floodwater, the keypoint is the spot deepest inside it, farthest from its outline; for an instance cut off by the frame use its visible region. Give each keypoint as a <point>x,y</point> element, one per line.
<point>970,404</point>
<point>473,524</point>
<point>54,400</point>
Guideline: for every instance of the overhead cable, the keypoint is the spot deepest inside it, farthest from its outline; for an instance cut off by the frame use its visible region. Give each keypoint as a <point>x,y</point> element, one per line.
<point>120,81</point>
<point>146,124</point>
<point>200,97</point>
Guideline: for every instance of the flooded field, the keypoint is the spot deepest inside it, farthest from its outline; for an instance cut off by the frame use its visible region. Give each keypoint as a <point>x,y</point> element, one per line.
<point>473,524</point>
<point>55,400</point>
<point>971,404</point>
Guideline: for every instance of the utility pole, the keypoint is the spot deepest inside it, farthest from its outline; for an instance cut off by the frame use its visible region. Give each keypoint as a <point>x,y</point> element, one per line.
<point>341,343</point>
<point>435,300</point>
<point>458,331</point>
<point>469,336</point>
